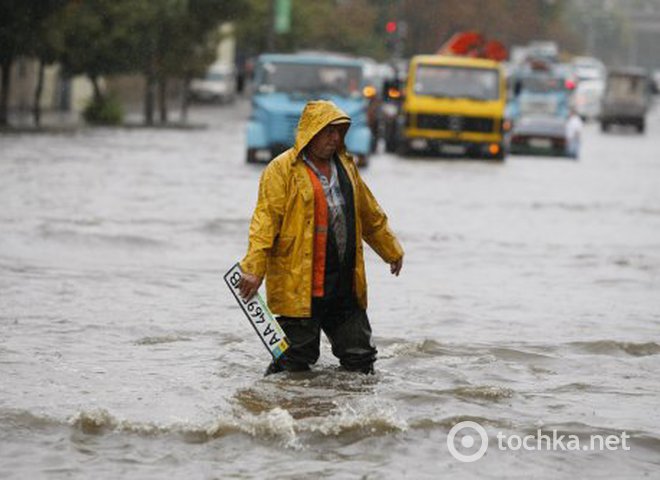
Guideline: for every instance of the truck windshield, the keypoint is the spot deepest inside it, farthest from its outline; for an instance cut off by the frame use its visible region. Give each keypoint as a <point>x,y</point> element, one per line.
<point>538,105</point>
<point>541,84</point>
<point>457,82</point>
<point>303,78</point>
<point>622,87</point>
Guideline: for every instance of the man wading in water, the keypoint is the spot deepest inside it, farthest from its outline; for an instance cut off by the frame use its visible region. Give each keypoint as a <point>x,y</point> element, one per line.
<point>306,233</point>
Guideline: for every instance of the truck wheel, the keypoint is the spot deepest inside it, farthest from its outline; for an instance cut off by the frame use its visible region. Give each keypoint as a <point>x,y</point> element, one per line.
<point>402,147</point>
<point>250,157</point>
<point>641,126</point>
<point>604,126</point>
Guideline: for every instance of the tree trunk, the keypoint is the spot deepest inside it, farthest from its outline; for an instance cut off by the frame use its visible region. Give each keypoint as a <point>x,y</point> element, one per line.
<point>185,101</point>
<point>97,89</point>
<point>149,101</point>
<point>5,66</point>
<point>149,98</point>
<point>162,99</point>
<point>270,33</point>
<point>36,108</point>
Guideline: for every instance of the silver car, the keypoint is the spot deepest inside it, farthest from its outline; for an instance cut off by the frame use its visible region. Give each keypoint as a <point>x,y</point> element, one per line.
<point>219,85</point>
<point>587,98</point>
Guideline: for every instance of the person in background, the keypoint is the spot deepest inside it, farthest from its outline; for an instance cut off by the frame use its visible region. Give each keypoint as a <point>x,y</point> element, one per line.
<point>312,213</point>
<point>573,134</point>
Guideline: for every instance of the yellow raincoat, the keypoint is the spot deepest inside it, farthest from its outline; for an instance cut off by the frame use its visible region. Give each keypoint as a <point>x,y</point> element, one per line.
<point>282,229</point>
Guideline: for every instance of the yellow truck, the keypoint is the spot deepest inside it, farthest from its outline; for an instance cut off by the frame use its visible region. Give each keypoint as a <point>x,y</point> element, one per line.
<point>453,106</point>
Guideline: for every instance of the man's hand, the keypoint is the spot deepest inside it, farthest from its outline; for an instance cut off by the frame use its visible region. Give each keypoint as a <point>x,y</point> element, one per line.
<point>249,285</point>
<point>395,267</point>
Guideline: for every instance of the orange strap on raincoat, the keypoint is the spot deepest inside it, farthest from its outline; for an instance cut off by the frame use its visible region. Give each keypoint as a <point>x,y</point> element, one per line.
<point>320,235</point>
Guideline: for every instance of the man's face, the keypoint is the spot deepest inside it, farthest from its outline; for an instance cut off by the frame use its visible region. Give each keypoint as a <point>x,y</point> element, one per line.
<point>326,142</point>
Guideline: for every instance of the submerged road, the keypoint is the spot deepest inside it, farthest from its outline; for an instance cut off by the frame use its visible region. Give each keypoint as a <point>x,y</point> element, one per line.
<point>528,300</point>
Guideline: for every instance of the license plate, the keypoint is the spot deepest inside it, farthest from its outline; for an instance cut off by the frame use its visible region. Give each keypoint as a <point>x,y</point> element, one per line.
<point>418,144</point>
<point>540,143</point>
<point>259,316</point>
<point>453,149</point>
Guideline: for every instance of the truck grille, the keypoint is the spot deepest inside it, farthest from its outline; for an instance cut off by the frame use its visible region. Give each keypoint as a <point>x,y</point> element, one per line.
<point>456,123</point>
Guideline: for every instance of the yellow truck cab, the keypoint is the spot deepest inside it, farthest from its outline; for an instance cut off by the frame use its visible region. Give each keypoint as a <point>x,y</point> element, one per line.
<point>453,106</point>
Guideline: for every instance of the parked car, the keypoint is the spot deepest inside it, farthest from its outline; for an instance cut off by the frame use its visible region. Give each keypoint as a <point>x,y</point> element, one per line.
<point>284,83</point>
<point>219,85</point>
<point>587,98</point>
<point>626,98</point>
<point>539,135</point>
<point>544,49</point>
<point>588,68</point>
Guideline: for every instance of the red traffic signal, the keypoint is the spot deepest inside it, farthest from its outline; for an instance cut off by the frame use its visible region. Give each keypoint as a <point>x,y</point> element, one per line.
<point>390,27</point>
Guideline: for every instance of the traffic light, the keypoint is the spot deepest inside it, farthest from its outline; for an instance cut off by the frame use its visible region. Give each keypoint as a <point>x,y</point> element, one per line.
<point>395,34</point>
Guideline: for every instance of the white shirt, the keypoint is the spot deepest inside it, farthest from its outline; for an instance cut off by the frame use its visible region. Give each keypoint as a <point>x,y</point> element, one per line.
<point>573,127</point>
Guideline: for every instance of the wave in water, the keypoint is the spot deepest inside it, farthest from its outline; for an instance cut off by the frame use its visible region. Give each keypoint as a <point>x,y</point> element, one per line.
<point>614,347</point>
<point>430,348</point>
<point>221,226</point>
<point>425,347</point>
<point>156,340</point>
<point>278,425</point>
<point>94,239</point>
<point>482,392</point>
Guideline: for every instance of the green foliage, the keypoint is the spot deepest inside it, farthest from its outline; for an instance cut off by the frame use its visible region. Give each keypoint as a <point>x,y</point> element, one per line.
<point>316,25</point>
<point>26,28</point>
<point>106,37</point>
<point>15,18</point>
<point>104,111</point>
<point>101,36</point>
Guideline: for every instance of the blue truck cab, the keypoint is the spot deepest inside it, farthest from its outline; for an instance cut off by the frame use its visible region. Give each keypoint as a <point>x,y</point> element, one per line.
<point>284,83</point>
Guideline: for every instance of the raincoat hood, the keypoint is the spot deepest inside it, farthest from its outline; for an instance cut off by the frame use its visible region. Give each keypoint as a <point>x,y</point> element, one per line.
<point>315,116</point>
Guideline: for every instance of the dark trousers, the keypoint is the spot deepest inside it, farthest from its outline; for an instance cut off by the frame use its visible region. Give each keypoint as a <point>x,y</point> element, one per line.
<point>344,323</point>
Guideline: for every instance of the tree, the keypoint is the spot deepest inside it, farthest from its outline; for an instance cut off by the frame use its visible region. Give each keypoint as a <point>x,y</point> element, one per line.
<point>358,32</point>
<point>510,21</point>
<point>100,39</point>
<point>26,30</point>
<point>15,16</point>
<point>45,44</point>
<point>178,39</point>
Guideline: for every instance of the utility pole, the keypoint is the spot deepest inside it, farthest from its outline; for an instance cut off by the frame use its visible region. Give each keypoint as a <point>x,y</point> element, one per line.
<point>270,38</point>
<point>279,19</point>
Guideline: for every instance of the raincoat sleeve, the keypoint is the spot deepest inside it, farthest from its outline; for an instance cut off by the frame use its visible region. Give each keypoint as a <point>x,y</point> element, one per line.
<point>266,221</point>
<point>375,229</point>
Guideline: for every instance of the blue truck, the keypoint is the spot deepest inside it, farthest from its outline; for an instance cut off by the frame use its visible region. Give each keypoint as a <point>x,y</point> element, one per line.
<point>284,83</point>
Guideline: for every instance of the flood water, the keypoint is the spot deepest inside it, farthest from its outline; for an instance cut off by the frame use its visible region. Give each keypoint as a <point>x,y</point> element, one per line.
<point>529,299</point>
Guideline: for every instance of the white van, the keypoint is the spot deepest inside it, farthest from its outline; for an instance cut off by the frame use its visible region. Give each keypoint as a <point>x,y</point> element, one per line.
<point>219,85</point>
